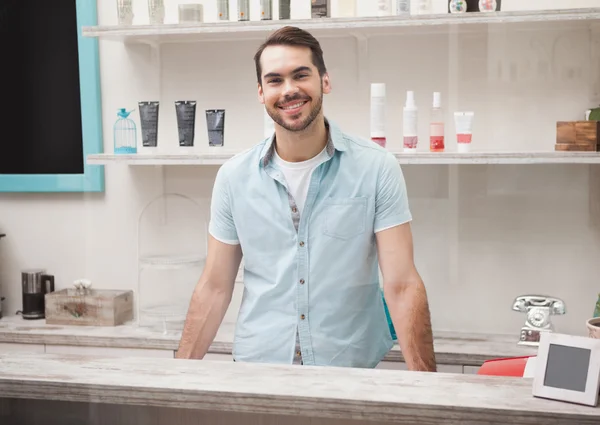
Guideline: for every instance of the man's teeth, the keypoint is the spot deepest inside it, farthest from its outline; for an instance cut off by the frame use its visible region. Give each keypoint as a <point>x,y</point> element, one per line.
<point>294,106</point>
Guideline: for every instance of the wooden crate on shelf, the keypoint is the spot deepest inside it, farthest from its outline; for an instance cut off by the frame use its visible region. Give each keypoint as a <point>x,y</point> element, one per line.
<point>93,307</point>
<point>577,136</point>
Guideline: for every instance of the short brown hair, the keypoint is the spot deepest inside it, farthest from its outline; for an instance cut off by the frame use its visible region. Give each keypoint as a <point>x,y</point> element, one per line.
<point>292,36</point>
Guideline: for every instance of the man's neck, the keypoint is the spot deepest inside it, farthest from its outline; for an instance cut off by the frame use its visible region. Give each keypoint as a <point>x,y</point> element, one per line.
<point>297,146</point>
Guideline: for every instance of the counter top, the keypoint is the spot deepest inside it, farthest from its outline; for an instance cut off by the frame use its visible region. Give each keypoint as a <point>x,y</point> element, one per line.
<point>450,348</point>
<point>401,397</point>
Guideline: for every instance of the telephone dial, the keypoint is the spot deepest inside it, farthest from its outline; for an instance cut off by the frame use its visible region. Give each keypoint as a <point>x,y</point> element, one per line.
<point>538,309</point>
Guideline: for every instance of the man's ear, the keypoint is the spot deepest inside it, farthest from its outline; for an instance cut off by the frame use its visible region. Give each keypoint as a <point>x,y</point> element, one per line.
<point>326,83</point>
<point>261,95</point>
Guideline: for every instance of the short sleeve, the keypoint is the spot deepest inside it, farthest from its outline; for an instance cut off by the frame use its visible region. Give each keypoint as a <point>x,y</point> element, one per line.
<point>222,226</point>
<point>391,202</point>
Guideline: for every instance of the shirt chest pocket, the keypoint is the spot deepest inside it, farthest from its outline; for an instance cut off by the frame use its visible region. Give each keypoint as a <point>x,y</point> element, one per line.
<point>345,218</point>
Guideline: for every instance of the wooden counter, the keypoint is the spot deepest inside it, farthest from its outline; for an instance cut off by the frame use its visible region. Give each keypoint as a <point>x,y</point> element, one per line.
<point>223,393</point>
<point>451,348</point>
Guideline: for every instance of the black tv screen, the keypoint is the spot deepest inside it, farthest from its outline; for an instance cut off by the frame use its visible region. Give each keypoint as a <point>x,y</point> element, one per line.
<point>41,117</point>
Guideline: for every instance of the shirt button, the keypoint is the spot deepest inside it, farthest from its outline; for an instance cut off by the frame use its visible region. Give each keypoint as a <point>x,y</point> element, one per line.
<point>301,281</point>
<point>302,316</point>
<point>298,353</point>
<point>294,209</point>
<point>301,243</point>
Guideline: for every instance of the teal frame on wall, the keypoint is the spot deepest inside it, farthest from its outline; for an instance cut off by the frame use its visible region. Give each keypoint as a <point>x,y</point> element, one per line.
<point>92,179</point>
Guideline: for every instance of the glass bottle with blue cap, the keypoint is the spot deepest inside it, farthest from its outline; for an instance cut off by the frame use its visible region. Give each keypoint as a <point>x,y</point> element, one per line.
<point>125,133</point>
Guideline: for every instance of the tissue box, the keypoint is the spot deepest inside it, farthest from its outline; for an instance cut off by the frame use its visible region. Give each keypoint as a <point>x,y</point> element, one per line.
<point>577,136</point>
<point>92,307</point>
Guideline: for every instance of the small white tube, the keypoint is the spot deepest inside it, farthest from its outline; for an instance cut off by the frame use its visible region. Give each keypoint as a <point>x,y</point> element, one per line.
<point>378,113</point>
<point>464,130</point>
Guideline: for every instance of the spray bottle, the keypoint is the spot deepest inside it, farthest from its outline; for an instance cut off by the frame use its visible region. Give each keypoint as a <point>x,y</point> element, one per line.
<point>436,126</point>
<point>410,130</point>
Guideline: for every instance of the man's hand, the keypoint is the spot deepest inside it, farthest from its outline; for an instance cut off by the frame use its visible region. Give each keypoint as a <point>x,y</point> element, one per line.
<point>406,297</point>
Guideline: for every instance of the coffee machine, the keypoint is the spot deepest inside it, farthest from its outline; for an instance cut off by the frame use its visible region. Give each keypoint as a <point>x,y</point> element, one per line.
<point>36,283</point>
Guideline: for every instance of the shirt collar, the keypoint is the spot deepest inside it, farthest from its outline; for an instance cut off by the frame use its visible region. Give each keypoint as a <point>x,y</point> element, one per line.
<point>335,141</point>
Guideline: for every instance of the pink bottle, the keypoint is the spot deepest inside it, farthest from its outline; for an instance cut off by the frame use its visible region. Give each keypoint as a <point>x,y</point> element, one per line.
<point>436,127</point>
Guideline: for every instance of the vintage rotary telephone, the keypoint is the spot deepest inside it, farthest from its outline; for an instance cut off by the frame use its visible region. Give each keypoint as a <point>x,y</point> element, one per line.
<point>538,308</point>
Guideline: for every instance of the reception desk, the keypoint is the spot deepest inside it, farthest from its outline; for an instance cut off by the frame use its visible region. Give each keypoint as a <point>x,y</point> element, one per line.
<point>49,389</point>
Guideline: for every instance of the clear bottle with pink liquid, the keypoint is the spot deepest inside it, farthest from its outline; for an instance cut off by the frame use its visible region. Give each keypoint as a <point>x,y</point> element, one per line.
<point>378,114</point>
<point>410,123</point>
<point>436,126</point>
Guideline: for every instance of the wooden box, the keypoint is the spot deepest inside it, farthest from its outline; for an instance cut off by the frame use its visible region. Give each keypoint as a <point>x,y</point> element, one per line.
<point>91,307</point>
<point>577,136</point>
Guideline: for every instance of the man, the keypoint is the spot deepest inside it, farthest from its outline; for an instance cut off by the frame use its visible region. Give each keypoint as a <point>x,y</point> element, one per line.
<point>313,210</point>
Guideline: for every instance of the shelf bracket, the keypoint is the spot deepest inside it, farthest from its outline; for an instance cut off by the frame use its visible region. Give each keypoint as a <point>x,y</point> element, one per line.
<point>161,185</point>
<point>595,63</point>
<point>156,62</point>
<point>362,56</point>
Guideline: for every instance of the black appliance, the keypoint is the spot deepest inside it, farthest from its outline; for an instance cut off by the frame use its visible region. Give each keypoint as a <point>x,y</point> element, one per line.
<point>36,283</point>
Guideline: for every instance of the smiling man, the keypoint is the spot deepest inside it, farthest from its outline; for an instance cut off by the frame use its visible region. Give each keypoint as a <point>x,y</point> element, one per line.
<point>314,212</point>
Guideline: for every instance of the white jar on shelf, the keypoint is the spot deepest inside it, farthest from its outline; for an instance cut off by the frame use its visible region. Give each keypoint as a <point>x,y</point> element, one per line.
<point>423,7</point>
<point>487,5</point>
<point>402,7</point>
<point>172,246</point>
<point>384,7</point>
<point>458,6</point>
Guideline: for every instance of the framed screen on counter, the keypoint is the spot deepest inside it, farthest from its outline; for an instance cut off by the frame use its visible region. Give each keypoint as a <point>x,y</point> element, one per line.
<point>568,369</point>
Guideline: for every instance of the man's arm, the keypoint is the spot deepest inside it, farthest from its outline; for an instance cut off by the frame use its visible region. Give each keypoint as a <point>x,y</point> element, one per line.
<point>210,299</point>
<point>403,288</point>
<point>212,294</point>
<point>406,297</point>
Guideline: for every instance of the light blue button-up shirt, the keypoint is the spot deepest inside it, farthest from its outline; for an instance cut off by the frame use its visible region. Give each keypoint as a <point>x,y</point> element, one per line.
<point>313,277</point>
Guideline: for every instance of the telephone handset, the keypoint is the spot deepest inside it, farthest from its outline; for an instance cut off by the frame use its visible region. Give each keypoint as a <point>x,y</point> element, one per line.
<point>538,309</point>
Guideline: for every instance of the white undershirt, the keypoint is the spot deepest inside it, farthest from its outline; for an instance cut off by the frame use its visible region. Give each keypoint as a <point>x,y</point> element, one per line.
<point>297,175</point>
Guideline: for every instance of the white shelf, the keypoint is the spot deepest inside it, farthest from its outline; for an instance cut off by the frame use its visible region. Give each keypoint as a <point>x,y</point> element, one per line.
<point>171,262</point>
<point>525,158</point>
<point>161,159</point>
<point>325,27</point>
<point>440,158</point>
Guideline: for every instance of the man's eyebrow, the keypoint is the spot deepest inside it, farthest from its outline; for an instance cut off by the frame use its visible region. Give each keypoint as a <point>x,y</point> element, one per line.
<point>299,69</point>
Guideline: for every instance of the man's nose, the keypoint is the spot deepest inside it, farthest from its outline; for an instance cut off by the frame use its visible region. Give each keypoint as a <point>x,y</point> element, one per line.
<point>289,88</point>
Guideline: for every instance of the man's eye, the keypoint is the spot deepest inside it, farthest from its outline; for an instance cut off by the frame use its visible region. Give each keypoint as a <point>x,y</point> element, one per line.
<point>301,76</point>
<point>274,81</point>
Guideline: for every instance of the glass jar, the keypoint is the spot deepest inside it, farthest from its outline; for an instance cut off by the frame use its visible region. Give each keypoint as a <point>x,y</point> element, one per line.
<point>487,5</point>
<point>156,12</point>
<point>125,134</point>
<point>125,12</point>
<point>458,6</point>
<point>172,247</point>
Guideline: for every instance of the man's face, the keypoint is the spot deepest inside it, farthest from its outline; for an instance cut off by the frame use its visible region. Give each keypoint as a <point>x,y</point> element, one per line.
<point>291,90</point>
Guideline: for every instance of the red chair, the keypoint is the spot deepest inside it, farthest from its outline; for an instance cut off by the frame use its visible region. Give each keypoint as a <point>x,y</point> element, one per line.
<point>511,366</point>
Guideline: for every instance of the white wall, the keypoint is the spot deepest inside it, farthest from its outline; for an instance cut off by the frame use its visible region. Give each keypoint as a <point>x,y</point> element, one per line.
<point>483,234</point>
